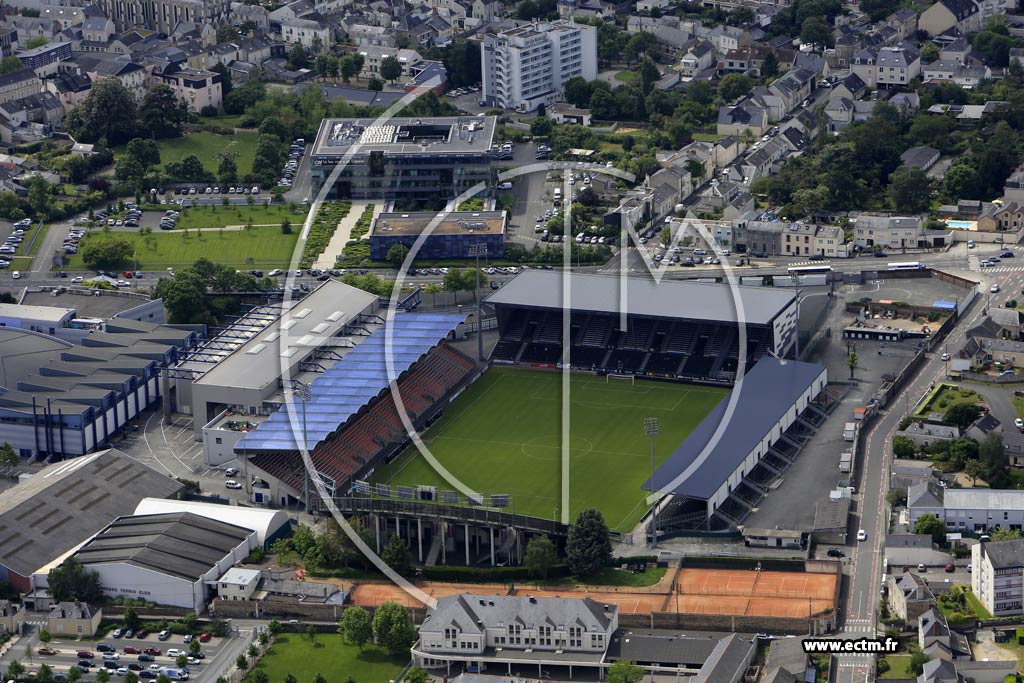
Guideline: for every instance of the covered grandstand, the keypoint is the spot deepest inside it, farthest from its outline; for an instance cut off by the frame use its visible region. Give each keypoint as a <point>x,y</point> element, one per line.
<point>674,329</point>
<point>352,419</point>
<point>723,469</point>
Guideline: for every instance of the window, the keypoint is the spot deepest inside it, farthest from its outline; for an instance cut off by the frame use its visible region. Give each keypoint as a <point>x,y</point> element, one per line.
<point>219,440</point>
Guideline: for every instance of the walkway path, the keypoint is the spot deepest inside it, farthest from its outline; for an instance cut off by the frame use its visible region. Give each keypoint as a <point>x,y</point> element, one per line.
<point>343,233</point>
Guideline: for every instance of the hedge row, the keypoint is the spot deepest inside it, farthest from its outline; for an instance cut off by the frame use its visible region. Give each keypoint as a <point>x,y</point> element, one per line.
<point>322,230</point>
<point>362,226</point>
<point>488,574</point>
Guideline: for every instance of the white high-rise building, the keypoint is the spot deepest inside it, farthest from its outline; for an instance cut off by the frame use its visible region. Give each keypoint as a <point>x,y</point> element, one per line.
<point>528,65</point>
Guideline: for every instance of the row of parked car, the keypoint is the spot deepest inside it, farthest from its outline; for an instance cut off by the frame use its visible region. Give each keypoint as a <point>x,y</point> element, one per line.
<point>216,189</point>
<point>11,244</point>
<point>291,167</point>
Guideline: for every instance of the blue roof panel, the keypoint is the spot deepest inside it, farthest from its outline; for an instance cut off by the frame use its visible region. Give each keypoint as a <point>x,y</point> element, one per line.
<point>352,382</point>
<point>767,393</point>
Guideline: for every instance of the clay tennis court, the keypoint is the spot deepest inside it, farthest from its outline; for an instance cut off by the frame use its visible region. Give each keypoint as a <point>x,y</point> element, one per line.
<point>752,593</point>
<point>696,591</point>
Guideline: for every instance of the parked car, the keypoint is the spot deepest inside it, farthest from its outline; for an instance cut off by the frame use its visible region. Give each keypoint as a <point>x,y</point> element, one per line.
<point>132,650</point>
<point>836,552</point>
<point>205,637</point>
<point>47,651</point>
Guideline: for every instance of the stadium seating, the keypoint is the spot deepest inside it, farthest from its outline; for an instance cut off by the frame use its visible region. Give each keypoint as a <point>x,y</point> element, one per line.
<point>377,426</point>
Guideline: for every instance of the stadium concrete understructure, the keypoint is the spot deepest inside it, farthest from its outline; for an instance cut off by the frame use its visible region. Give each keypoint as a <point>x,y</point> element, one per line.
<point>674,329</point>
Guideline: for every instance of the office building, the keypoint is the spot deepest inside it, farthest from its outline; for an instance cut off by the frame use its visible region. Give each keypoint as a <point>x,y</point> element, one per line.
<point>451,235</point>
<point>528,65</point>
<point>414,160</point>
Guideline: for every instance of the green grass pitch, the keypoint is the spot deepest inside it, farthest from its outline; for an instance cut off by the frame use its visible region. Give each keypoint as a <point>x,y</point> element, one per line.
<point>503,435</point>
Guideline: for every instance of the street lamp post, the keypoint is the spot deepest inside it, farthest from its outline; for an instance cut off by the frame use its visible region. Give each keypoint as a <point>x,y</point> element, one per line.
<point>651,430</point>
<point>304,393</point>
<point>478,250</point>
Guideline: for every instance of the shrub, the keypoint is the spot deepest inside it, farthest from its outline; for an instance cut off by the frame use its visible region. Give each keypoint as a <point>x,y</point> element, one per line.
<point>487,574</point>
<point>322,230</point>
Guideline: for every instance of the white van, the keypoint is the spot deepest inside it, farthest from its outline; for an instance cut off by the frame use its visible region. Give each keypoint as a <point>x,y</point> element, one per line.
<point>507,185</point>
<point>558,193</point>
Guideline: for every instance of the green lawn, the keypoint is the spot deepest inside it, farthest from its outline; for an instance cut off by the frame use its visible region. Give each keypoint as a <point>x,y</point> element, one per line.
<point>205,145</point>
<point>611,576</point>
<point>975,604</point>
<point>899,667</point>
<point>220,216</point>
<point>502,435</point>
<point>336,660</point>
<point>706,137</point>
<point>267,247</point>
<point>626,76</point>
<point>945,396</point>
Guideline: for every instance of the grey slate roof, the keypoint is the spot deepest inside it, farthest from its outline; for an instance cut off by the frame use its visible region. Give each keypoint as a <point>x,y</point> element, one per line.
<point>472,613</point>
<point>671,298</point>
<point>1005,554</point>
<point>767,392</point>
<point>927,494</point>
<point>156,542</point>
<point>64,504</point>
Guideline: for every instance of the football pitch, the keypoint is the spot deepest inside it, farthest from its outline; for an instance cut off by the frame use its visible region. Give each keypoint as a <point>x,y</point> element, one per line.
<point>503,435</point>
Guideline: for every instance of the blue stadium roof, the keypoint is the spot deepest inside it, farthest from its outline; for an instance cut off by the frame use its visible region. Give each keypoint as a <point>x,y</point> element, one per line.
<point>352,382</point>
<point>768,391</point>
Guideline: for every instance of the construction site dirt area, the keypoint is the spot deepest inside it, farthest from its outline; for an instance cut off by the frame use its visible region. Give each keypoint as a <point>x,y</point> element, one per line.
<point>694,591</point>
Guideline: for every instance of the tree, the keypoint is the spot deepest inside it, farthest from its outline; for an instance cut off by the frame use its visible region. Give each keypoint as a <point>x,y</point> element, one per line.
<point>348,68</point>
<point>902,447</point>
<point>15,670</point>
<point>195,646</point>
<point>625,671</point>
<point>33,43</point>
<point>541,126</point>
<point>131,677</point>
<point>227,172</point>
<point>311,634</point>
<point>241,662</point>
<point>259,676</point>
<point>162,113</point>
<point>578,91</point>
<point>163,678</point>
<point>44,636</point>
<point>390,68</point>
<point>417,675</point>
<point>588,549</point>
<point>131,619</point>
<point>962,415</point>
<point>103,675</point>
<point>75,675</point>
<point>541,555</point>
<point>226,33</point>
<point>181,661</point>
<point>962,181</point>
<point>28,651</point>
<point>931,525</point>
<point>190,169</point>
<point>355,626</point>
<point>297,58</point>
<point>992,454</point>
<point>909,190</point>
<point>319,678</point>
<point>10,65</point>
<point>375,84</point>
<point>1002,534</point>
<point>734,86</point>
<point>396,255</point>
<point>393,629</point>
<point>852,361</point>
<point>8,456</point>
<point>396,555</point>
<point>770,66</point>
<point>44,674</point>
<point>917,661</point>
<point>817,32</point>
<point>70,581</point>
<point>275,627</point>
<point>104,254</point>
<point>286,226</point>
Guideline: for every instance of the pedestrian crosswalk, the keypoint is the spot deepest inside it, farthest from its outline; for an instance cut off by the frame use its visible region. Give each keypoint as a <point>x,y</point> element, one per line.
<point>811,263</point>
<point>859,626</point>
<point>36,622</point>
<point>1003,269</point>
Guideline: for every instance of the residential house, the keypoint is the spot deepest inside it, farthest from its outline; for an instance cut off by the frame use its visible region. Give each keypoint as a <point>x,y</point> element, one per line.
<point>133,76</point>
<point>883,230</point>
<point>924,433</point>
<point>1006,215</point>
<point>197,88</point>
<point>43,108</point>
<point>563,112</point>
<point>829,242</point>
<point>699,58</point>
<point>767,99</point>
<point>957,51</point>
<point>907,103</point>
<point>75,619</point>
<point>904,22</point>
<point>1013,441</point>
<point>307,32</point>
<point>908,596</point>
<point>850,87</point>
<point>97,29</point>
<point>963,15</point>
<point>12,617</point>
<point>937,640</point>
<point>897,66</point>
<point>1013,187</point>
<point>18,84</point>
<point>798,239</point>
<point>373,56</point>
<point>743,117</point>
<point>793,88</point>
<point>839,112</point>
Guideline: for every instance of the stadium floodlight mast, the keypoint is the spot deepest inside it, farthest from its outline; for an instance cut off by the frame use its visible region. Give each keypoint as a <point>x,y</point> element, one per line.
<point>477,250</point>
<point>651,430</point>
<point>304,393</point>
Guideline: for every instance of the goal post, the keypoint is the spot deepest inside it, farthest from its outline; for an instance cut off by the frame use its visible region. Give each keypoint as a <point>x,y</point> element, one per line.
<point>619,377</point>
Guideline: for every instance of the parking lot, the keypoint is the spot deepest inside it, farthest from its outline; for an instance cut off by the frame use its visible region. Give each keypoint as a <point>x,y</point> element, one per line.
<point>61,654</point>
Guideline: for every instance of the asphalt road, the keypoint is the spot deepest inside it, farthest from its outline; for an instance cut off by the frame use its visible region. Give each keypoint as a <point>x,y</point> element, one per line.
<point>872,511</point>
